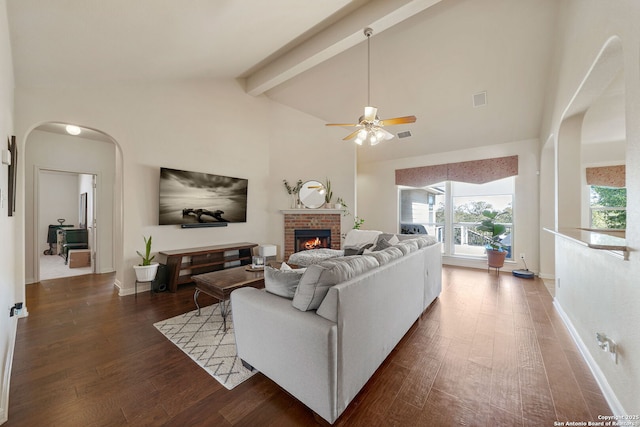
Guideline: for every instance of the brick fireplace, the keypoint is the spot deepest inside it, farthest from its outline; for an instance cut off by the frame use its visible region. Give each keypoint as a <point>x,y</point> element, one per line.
<point>310,219</point>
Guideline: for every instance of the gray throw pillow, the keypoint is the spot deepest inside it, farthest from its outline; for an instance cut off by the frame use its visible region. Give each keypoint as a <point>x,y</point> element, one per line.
<point>311,291</point>
<point>356,250</point>
<point>282,282</point>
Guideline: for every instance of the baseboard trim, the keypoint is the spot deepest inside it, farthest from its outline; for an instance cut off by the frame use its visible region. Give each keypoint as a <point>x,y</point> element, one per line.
<point>6,378</point>
<point>606,389</point>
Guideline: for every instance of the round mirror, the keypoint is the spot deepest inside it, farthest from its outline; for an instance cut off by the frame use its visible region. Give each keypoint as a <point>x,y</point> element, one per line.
<point>312,194</point>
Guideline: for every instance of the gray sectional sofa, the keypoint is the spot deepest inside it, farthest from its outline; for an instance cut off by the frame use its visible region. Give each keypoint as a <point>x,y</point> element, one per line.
<point>346,316</point>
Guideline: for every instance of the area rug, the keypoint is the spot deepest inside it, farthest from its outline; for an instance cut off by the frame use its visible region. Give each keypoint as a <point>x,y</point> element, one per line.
<point>203,339</point>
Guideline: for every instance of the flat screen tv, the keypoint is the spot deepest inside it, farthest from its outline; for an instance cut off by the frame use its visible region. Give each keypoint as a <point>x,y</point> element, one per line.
<point>194,197</point>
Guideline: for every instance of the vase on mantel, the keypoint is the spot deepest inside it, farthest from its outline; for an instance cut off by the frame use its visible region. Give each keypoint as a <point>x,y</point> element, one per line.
<point>294,201</point>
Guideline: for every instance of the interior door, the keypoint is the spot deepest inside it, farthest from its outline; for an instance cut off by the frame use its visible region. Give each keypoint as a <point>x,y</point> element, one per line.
<point>92,224</point>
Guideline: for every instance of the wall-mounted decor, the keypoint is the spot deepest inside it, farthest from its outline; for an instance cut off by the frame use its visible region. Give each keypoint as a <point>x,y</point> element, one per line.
<point>13,166</point>
<point>201,199</point>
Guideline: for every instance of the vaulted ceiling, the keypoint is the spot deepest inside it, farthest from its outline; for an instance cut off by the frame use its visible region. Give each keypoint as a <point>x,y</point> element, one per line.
<point>428,58</point>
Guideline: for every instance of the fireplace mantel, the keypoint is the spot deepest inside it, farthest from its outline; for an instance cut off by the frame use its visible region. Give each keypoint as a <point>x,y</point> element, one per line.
<point>310,211</point>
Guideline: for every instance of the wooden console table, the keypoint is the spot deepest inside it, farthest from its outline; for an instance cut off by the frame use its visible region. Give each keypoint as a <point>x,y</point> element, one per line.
<point>204,260</point>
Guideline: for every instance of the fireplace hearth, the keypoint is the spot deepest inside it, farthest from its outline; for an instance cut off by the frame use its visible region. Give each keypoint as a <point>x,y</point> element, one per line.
<point>306,239</point>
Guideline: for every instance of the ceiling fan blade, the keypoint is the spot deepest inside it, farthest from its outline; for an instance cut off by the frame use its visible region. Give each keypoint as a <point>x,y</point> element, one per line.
<point>342,124</point>
<point>351,135</point>
<point>398,120</point>
<point>370,113</point>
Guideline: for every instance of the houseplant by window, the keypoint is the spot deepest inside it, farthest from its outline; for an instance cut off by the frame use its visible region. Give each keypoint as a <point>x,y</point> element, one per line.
<point>496,252</point>
<point>146,271</point>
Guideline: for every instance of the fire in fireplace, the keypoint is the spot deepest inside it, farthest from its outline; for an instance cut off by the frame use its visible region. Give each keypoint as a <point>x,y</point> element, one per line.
<point>311,239</point>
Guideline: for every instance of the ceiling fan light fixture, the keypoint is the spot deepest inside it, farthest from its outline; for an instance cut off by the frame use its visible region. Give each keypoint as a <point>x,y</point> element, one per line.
<point>370,113</point>
<point>371,125</point>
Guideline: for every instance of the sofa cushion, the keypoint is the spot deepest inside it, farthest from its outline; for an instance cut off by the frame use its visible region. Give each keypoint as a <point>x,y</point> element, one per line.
<point>387,255</point>
<point>318,278</point>
<point>282,282</point>
<point>407,247</point>
<point>423,241</point>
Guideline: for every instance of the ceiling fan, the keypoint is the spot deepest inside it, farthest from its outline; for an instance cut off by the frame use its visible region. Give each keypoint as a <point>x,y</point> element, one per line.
<point>370,126</point>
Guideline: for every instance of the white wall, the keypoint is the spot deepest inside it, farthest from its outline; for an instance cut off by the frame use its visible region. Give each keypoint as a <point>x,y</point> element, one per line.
<point>377,191</point>
<point>597,291</point>
<point>303,148</point>
<point>8,278</point>
<point>50,151</point>
<point>207,126</point>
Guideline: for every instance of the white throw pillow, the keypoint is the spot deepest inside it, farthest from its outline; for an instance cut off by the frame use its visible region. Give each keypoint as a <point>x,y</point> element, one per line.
<point>359,238</point>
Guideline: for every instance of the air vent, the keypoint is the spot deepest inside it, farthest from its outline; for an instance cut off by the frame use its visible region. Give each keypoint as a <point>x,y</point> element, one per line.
<point>480,99</point>
<point>405,134</point>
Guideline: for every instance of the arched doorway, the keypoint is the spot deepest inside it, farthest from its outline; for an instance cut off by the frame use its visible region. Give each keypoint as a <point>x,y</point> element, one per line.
<point>49,148</point>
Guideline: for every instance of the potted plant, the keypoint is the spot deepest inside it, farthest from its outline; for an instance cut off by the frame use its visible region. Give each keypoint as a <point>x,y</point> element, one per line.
<point>146,271</point>
<point>328,194</point>
<point>495,249</point>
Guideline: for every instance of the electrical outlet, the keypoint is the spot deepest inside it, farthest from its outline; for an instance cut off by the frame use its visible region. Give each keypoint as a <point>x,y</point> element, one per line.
<point>521,255</point>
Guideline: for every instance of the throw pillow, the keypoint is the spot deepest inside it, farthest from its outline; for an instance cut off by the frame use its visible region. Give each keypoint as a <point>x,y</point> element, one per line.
<point>356,237</point>
<point>316,281</point>
<point>356,250</point>
<point>282,282</point>
<point>310,291</point>
<point>285,267</point>
<point>384,241</point>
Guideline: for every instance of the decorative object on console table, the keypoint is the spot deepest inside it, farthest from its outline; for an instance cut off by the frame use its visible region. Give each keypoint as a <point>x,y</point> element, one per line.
<point>494,247</point>
<point>269,252</point>
<point>146,271</point>
<point>203,260</point>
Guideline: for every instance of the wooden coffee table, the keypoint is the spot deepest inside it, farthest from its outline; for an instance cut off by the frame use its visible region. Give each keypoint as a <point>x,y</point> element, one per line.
<point>219,284</point>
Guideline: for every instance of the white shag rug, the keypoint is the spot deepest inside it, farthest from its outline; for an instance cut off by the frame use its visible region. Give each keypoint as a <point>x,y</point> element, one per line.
<point>202,338</point>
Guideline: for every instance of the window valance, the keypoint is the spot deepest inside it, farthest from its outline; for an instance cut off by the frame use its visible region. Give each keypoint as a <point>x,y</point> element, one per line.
<point>607,176</point>
<point>473,172</point>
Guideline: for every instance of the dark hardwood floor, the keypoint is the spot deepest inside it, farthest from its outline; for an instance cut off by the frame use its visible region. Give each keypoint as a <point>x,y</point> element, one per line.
<point>491,351</point>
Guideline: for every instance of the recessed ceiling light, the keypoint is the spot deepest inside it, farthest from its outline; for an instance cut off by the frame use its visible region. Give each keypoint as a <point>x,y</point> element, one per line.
<point>73,130</point>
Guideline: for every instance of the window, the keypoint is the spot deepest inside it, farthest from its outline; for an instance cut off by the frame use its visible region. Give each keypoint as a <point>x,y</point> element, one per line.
<point>608,206</point>
<point>451,211</point>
